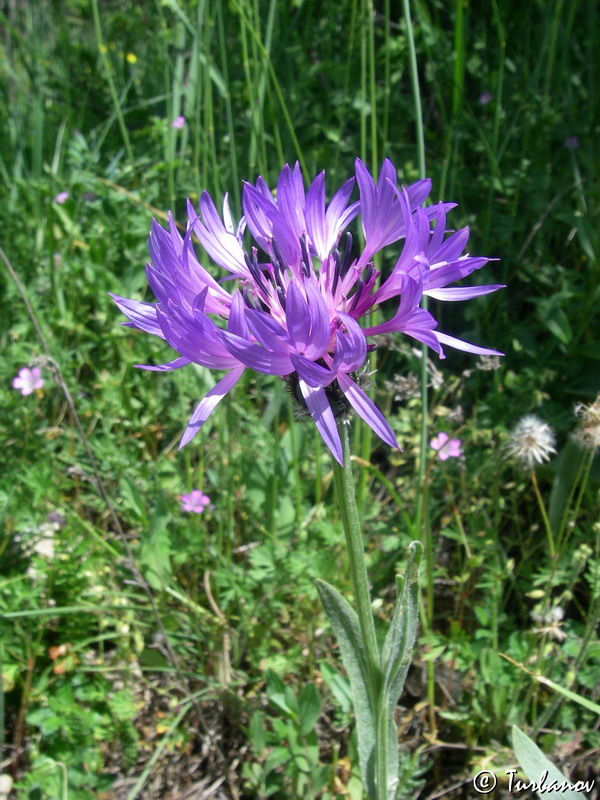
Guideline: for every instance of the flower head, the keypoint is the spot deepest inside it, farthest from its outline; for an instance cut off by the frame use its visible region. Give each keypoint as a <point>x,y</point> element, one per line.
<point>178,123</point>
<point>28,380</point>
<point>446,447</point>
<point>571,142</point>
<point>61,198</point>
<point>485,98</point>
<point>195,501</point>
<point>301,290</point>
<point>531,441</point>
<point>588,432</point>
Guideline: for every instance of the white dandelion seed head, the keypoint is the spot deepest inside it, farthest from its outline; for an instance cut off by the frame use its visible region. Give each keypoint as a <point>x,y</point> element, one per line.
<point>532,441</point>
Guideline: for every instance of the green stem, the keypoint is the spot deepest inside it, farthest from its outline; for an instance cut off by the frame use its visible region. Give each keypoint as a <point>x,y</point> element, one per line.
<point>544,515</point>
<point>344,488</point>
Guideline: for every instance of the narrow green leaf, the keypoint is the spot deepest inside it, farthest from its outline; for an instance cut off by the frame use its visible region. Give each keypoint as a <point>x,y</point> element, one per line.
<point>310,708</point>
<point>535,765</point>
<point>344,622</point>
<point>400,638</point>
<point>397,650</point>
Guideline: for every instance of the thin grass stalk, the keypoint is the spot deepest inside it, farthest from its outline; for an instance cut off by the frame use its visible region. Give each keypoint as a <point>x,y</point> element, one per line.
<point>109,79</point>
<point>228,107</point>
<point>369,67</point>
<point>422,503</point>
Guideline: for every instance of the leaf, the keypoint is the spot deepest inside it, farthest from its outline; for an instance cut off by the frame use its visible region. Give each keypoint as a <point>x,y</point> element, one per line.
<point>397,650</point>
<point>400,638</point>
<point>310,708</point>
<point>280,695</point>
<point>339,685</point>
<point>344,621</point>
<point>535,765</point>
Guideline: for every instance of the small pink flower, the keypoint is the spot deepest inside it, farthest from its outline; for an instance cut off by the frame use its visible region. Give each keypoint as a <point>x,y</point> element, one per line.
<point>446,448</point>
<point>179,123</point>
<point>61,198</point>
<point>194,501</point>
<point>27,380</point>
<point>485,98</point>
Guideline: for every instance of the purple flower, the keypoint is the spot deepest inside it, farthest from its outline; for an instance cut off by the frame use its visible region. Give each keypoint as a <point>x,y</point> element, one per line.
<point>61,198</point>
<point>28,380</point>
<point>446,448</point>
<point>295,307</point>
<point>485,98</point>
<point>178,123</point>
<point>195,501</point>
<point>571,142</point>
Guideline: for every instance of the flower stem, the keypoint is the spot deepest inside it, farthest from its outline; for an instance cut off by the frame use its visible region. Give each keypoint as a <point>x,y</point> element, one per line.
<point>344,488</point>
<point>544,515</point>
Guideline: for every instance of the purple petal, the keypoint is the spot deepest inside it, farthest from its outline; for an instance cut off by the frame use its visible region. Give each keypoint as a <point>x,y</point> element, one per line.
<point>141,315</point>
<point>462,292</point>
<point>221,244</point>
<point>320,411</point>
<point>268,332</point>
<point>459,344</point>
<point>313,374</point>
<point>297,317</point>
<point>350,345</point>
<point>175,364</point>
<point>256,357</point>
<point>237,320</point>
<point>319,321</point>
<point>208,404</point>
<point>367,410</point>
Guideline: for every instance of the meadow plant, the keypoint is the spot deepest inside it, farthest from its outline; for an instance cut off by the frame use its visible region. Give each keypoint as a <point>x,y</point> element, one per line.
<point>194,502</point>
<point>28,380</point>
<point>446,447</point>
<point>294,312</point>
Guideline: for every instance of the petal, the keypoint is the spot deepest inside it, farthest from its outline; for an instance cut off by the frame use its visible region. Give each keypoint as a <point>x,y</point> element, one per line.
<point>221,245</point>
<point>320,411</point>
<point>459,344</point>
<point>315,215</point>
<point>208,404</point>
<point>319,321</point>
<point>367,410</point>
<point>140,315</point>
<point>267,331</point>
<point>237,320</point>
<point>297,317</point>
<point>256,357</point>
<point>175,364</point>
<point>462,292</point>
<point>313,374</point>
<point>351,345</point>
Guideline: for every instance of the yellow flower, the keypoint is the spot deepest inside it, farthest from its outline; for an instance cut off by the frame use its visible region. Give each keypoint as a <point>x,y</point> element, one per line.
<point>131,58</point>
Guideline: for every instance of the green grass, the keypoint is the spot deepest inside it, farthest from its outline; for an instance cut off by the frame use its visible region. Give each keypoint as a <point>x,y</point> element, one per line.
<point>149,632</point>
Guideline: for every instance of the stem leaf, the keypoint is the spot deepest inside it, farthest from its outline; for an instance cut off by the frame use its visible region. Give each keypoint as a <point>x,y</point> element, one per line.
<point>401,635</point>
<point>535,765</point>
<point>344,621</point>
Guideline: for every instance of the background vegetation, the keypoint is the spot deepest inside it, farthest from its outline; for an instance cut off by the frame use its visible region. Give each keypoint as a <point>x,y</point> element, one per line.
<point>148,652</point>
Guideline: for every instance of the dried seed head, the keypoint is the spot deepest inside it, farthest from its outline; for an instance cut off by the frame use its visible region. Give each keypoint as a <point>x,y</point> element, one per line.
<point>588,432</point>
<point>532,441</point>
